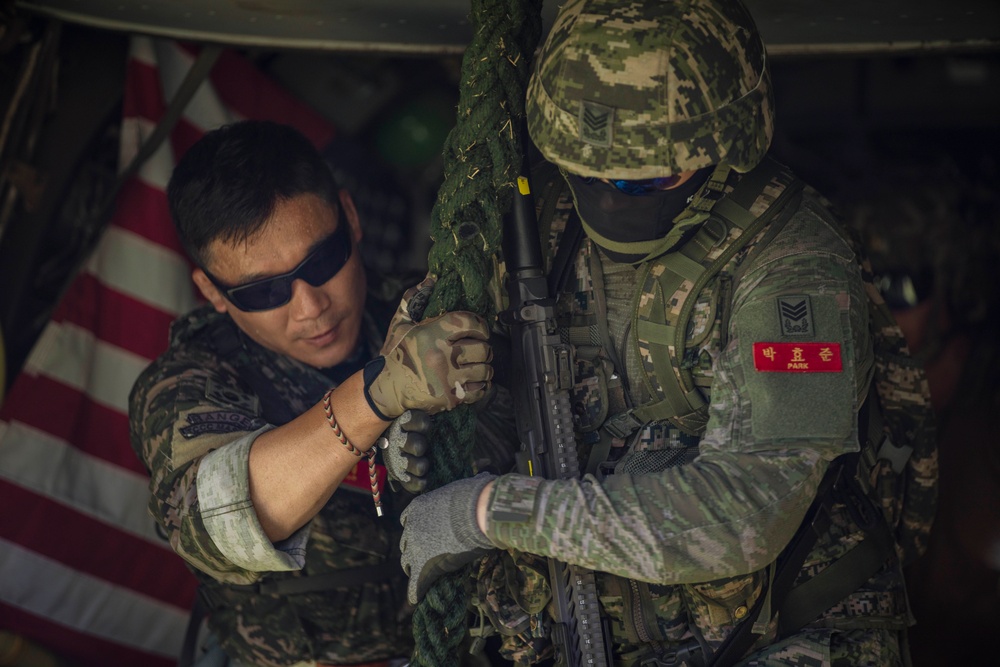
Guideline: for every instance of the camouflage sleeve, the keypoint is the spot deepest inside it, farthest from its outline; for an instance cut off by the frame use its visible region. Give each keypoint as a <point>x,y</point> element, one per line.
<point>770,435</point>
<point>181,408</point>
<point>224,499</point>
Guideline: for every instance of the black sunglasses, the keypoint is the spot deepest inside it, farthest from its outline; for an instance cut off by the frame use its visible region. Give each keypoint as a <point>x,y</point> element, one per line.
<point>321,265</point>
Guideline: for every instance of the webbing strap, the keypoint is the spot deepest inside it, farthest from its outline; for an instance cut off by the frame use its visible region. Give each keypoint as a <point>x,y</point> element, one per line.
<point>678,396</point>
<point>348,578</point>
<point>779,212</point>
<point>663,334</point>
<point>195,76</point>
<point>733,212</point>
<point>689,268</point>
<point>651,411</point>
<point>190,645</point>
<point>808,600</point>
<point>563,261</point>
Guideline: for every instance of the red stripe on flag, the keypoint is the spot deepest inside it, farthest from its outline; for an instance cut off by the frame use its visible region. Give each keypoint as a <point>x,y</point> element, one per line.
<point>184,136</point>
<point>88,426</point>
<point>142,209</point>
<point>143,96</point>
<point>81,650</point>
<point>253,94</point>
<point>115,318</point>
<point>95,548</point>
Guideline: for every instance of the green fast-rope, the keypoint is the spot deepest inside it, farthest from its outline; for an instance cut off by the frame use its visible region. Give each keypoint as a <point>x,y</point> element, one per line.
<point>481,157</point>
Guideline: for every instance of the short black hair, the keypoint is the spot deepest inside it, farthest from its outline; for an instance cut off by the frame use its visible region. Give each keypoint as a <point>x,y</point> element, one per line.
<point>228,183</point>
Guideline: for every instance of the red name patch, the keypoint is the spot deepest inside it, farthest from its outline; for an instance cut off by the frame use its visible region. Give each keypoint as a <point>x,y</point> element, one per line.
<point>797,357</point>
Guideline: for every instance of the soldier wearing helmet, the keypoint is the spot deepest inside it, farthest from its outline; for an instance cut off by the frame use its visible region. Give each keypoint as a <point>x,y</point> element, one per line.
<point>723,351</point>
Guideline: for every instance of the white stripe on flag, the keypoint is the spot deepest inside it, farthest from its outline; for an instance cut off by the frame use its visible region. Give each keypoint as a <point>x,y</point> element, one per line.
<point>141,49</point>
<point>144,270</point>
<point>87,604</point>
<point>72,355</point>
<point>55,469</point>
<point>205,110</point>
<point>156,170</point>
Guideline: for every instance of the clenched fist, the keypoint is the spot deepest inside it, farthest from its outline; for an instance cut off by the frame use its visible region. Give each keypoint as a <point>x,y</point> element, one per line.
<point>433,365</point>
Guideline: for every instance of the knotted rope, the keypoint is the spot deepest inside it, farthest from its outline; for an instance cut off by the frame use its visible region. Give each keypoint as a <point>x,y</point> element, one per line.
<point>481,158</point>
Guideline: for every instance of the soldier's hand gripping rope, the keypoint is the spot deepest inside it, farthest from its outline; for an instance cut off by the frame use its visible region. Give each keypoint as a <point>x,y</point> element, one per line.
<point>432,365</point>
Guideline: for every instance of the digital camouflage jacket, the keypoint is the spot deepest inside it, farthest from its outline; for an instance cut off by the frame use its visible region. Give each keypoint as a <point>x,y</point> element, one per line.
<point>193,417</point>
<point>683,528</point>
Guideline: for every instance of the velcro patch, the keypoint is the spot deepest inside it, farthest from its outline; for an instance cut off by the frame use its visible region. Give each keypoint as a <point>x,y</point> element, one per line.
<point>231,398</point>
<point>595,123</point>
<point>797,358</point>
<point>793,391</point>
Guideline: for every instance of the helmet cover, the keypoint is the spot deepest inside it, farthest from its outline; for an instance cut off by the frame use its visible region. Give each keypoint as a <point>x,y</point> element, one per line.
<point>640,89</point>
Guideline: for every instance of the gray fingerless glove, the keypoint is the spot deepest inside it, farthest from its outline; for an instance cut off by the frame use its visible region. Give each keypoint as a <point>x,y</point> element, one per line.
<point>404,449</point>
<point>440,533</point>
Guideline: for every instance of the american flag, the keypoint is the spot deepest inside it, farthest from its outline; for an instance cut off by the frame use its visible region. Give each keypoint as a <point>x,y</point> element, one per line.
<point>83,571</point>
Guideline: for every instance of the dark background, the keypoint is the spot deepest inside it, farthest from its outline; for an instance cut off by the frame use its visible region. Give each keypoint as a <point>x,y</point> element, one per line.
<point>899,126</point>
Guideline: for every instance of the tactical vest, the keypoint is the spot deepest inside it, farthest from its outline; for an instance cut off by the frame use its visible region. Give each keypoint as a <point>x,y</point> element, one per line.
<point>898,459</point>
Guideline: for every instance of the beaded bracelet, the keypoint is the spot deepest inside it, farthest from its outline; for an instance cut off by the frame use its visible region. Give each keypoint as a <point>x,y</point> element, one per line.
<point>370,454</point>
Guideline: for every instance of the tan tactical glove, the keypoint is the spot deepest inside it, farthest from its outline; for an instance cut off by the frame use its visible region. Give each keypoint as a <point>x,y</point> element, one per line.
<point>432,365</point>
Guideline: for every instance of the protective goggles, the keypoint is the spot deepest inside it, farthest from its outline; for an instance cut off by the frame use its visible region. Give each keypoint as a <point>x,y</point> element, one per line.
<point>641,187</point>
<point>321,265</point>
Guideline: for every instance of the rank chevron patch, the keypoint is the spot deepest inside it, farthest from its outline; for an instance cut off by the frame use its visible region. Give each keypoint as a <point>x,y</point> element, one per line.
<point>595,123</point>
<point>795,315</point>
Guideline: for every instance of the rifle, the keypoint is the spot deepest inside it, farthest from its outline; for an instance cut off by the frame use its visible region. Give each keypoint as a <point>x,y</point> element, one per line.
<point>543,376</point>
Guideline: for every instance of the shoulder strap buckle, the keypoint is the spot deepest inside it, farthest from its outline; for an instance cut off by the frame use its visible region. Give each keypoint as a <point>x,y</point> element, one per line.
<point>623,424</point>
<point>896,455</point>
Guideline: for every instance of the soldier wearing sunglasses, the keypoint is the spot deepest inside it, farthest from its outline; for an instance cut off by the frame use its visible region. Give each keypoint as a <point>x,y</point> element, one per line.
<point>254,422</point>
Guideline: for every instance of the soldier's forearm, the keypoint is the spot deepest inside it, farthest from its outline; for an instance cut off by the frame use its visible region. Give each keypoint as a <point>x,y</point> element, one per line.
<point>295,468</point>
<point>667,527</point>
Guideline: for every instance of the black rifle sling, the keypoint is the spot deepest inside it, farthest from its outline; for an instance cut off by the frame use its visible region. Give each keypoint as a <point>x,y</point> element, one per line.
<point>347,578</point>
<point>816,522</point>
<point>562,263</point>
<point>198,612</point>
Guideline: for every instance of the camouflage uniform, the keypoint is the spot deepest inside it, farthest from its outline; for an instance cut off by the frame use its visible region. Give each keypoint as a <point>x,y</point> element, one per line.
<point>684,521</point>
<point>193,419</point>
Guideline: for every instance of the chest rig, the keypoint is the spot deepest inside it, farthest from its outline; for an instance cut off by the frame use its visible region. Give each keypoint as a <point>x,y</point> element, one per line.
<point>734,213</point>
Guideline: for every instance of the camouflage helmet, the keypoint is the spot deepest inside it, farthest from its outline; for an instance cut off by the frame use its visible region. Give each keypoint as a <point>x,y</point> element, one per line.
<point>639,89</point>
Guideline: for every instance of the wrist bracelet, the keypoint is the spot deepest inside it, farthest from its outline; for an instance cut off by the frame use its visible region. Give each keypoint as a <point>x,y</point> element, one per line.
<point>370,454</point>
<point>328,409</point>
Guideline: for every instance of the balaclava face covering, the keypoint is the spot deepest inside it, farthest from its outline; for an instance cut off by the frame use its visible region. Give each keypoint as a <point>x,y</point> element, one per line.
<point>622,225</point>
